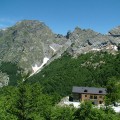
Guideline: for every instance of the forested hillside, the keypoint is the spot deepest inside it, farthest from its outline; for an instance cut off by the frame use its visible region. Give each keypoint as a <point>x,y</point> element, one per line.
<point>38,96</point>
<point>28,102</point>
<point>91,69</point>
<point>13,71</point>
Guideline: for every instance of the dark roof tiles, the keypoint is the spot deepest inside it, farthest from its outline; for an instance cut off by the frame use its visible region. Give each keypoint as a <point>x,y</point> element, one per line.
<point>90,90</point>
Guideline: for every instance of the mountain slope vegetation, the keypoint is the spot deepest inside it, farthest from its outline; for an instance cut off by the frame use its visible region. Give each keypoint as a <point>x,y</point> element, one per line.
<point>13,71</point>
<point>91,69</point>
<point>37,97</point>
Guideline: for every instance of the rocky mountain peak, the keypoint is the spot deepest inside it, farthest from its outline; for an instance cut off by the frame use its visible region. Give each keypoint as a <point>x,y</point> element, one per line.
<point>30,24</point>
<point>86,40</point>
<point>115,32</point>
<point>28,42</point>
<point>31,44</point>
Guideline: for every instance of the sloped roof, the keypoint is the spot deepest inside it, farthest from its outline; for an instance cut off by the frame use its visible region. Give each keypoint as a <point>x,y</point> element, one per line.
<point>90,90</point>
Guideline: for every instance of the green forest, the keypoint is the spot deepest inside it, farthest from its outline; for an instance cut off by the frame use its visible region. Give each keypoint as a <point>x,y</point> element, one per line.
<point>99,69</point>
<point>11,69</point>
<point>38,96</point>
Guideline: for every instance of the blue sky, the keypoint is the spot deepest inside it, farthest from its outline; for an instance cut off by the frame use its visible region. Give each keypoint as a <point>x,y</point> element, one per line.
<point>63,15</point>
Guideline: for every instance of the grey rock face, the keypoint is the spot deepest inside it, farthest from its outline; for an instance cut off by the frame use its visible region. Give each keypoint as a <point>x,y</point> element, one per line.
<point>115,32</point>
<point>28,42</point>
<point>4,79</point>
<point>84,41</point>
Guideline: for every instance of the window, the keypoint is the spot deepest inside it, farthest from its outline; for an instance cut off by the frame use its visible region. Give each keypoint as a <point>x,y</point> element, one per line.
<point>85,95</point>
<point>100,102</point>
<point>100,91</point>
<point>95,97</point>
<point>85,90</point>
<point>100,96</point>
<point>93,103</point>
<point>91,97</point>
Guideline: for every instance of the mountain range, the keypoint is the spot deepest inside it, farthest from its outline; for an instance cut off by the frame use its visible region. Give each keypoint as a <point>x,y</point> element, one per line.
<point>31,45</point>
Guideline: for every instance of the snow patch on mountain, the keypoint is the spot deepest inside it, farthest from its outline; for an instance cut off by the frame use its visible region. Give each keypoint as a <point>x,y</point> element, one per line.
<point>55,47</point>
<point>116,109</point>
<point>52,48</point>
<point>114,47</point>
<point>96,49</point>
<point>37,68</point>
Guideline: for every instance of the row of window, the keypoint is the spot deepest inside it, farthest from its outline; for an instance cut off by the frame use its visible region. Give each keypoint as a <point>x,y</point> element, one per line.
<point>93,97</point>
